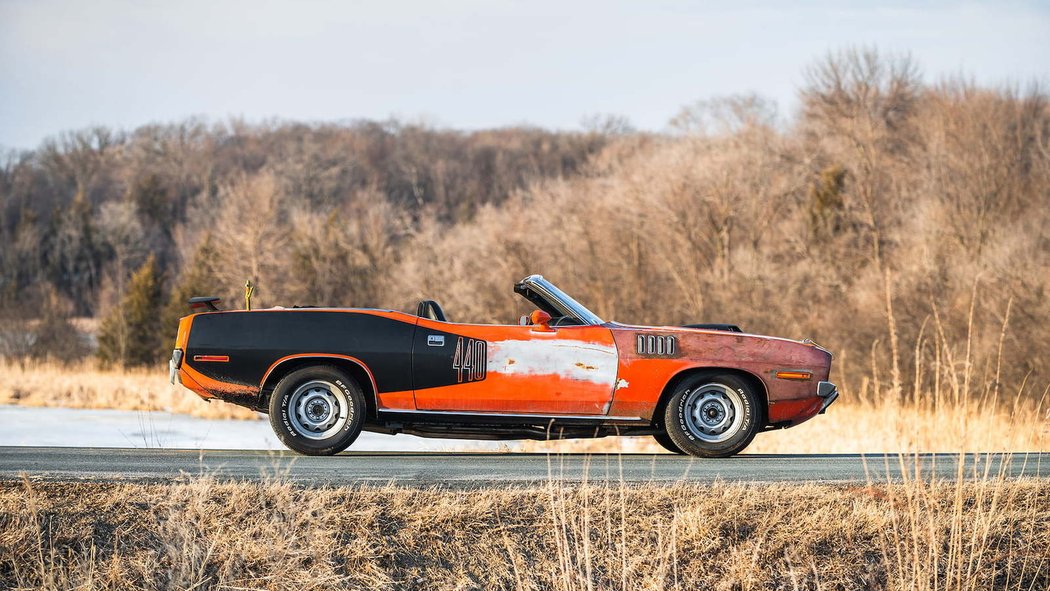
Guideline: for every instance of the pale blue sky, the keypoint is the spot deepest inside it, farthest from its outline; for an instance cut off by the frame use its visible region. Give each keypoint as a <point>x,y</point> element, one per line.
<point>467,64</point>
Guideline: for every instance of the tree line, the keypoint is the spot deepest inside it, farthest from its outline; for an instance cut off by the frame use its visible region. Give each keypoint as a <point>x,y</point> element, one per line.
<point>88,209</point>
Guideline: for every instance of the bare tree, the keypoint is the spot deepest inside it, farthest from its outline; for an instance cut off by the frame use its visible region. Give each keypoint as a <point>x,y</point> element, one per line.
<point>250,236</point>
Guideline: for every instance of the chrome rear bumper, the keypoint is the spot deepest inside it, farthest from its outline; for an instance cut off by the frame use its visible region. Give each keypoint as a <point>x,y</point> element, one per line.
<point>829,393</point>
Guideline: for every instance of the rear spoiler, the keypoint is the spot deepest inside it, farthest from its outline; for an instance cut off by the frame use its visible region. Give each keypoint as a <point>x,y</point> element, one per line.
<point>204,304</point>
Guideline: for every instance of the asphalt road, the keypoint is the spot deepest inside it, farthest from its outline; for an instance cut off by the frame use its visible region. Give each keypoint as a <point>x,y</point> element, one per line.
<point>469,469</point>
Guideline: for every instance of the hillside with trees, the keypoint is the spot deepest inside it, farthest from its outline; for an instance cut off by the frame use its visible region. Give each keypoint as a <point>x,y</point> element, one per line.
<point>900,222</point>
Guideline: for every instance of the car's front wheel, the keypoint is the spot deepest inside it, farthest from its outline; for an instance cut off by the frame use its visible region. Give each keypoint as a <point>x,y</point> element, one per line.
<point>713,416</point>
<point>317,411</point>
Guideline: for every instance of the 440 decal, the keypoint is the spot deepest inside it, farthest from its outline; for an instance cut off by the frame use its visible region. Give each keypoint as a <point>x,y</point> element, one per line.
<point>470,360</point>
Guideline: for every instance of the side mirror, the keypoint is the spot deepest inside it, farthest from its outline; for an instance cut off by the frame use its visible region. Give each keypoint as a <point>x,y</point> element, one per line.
<point>540,318</point>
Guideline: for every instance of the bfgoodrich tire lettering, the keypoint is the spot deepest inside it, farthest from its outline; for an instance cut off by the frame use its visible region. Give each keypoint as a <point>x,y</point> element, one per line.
<point>713,416</point>
<point>317,410</point>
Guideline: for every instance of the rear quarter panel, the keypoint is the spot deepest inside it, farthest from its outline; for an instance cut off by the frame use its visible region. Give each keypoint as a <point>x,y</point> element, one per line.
<point>255,341</point>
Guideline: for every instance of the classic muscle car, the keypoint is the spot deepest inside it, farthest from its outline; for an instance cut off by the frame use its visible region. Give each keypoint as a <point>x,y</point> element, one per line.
<point>326,374</point>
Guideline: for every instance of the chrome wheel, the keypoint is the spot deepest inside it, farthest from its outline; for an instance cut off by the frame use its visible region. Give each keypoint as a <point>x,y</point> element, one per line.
<point>714,412</point>
<point>318,409</point>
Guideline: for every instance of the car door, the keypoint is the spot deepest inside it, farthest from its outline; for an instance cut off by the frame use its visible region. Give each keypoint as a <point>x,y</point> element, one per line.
<point>513,369</point>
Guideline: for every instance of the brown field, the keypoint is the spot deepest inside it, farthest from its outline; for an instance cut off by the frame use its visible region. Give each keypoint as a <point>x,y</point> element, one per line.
<point>85,385</point>
<point>850,426</point>
<point>203,534</point>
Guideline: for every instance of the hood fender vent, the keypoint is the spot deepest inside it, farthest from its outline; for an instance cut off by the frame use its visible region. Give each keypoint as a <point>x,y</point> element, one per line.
<point>722,327</point>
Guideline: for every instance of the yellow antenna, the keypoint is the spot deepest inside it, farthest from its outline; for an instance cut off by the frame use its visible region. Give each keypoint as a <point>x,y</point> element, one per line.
<point>249,289</point>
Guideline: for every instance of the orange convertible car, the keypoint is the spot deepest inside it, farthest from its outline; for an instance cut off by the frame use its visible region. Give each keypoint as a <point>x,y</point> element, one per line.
<point>326,374</point>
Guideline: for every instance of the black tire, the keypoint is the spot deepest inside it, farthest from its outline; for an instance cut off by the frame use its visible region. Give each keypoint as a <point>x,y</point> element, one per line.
<point>713,416</point>
<point>307,410</point>
<point>665,442</point>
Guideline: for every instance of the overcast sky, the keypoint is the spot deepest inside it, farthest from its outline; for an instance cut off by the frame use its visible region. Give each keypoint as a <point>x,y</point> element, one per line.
<point>467,64</point>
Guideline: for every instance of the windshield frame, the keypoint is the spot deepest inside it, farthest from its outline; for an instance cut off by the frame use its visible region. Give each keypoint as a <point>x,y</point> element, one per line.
<point>555,299</point>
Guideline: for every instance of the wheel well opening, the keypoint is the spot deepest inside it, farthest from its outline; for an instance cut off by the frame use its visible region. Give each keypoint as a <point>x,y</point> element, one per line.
<point>686,374</point>
<point>352,369</point>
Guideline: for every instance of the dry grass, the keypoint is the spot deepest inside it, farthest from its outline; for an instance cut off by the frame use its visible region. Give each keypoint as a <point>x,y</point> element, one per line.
<point>85,385</point>
<point>865,427</point>
<point>203,534</point>
<point>850,426</point>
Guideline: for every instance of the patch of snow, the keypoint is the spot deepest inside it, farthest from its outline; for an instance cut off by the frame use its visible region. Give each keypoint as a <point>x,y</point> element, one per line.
<point>75,427</point>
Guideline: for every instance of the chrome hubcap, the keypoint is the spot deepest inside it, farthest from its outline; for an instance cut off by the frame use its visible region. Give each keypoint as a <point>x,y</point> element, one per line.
<point>714,412</point>
<point>318,409</point>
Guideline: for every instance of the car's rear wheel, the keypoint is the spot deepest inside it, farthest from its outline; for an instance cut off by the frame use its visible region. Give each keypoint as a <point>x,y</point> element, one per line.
<point>713,416</point>
<point>317,410</point>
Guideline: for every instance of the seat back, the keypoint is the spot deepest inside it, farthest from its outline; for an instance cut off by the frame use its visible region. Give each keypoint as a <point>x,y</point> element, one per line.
<point>431,310</point>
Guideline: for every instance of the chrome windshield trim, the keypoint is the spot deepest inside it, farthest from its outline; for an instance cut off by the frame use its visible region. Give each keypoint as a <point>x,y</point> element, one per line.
<point>561,300</point>
<point>511,415</point>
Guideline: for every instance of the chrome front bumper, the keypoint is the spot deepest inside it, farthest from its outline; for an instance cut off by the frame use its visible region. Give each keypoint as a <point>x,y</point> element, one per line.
<point>174,364</point>
<point>829,393</point>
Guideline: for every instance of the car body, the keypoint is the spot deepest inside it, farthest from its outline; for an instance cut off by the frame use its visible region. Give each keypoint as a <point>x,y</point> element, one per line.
<point>561,372</point>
